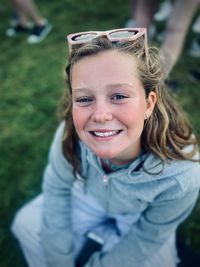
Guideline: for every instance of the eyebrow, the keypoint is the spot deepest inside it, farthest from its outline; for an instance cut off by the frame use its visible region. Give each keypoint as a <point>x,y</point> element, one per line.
<point>119,85</point>
<point>109,86</point>
<point>80,89</point>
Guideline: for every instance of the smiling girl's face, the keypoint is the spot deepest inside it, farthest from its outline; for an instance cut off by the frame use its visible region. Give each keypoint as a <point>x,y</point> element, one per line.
<point>109,105</point>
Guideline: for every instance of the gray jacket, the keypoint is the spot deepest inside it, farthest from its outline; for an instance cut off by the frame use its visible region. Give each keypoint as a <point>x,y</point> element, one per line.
<point>162,201</point>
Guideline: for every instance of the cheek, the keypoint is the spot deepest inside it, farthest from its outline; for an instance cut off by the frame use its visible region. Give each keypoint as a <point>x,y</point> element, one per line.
<point>78,118</point>
<point>132,115</point>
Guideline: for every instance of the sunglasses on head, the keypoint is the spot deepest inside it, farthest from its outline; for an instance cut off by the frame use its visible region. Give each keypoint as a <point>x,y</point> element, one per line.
<point>116,35</point>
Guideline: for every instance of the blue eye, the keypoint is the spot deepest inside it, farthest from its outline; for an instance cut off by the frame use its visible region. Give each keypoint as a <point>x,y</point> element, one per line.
<point>83,100</point>
<point>119,97</point>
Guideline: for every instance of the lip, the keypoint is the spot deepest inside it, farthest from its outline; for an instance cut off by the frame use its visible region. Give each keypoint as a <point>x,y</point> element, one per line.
<point>105,134</point>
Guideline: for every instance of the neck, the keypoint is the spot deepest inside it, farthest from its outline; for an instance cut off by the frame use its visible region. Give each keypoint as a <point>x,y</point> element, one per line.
<point>120,163</point>
<point>110,166</point>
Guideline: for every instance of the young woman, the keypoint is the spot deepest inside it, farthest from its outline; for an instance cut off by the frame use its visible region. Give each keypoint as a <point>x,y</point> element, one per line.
<point>123,169</point>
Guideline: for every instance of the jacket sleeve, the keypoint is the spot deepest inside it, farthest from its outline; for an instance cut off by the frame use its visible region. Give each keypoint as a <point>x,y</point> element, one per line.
<point>56,232</point>
<point>146,237</point>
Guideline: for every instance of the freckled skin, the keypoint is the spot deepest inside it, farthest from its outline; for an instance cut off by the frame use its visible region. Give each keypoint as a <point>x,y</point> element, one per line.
<point>108,96</point>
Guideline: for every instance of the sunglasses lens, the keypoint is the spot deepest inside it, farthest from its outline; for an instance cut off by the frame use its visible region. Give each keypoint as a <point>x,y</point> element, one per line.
<point>84,37</point>
<point>122,34</point>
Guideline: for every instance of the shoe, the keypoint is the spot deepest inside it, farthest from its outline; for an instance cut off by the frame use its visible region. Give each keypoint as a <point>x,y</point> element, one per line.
<point>18,29</point>
<point>39,33</point>
<point>196,25</point>
<point>14,19</point>
<point>194,50</point>
<point>164,11</point>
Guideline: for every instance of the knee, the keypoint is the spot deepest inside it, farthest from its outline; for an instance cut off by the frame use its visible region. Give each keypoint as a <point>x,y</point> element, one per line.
<point>27,221</point>
<point>19,225</point>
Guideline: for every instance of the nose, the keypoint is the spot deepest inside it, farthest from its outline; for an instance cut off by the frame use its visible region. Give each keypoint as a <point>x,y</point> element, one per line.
<point>102,114</point>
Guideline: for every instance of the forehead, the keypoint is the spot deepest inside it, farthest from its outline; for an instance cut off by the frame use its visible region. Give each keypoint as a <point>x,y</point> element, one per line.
<point>109,67</point>
<point>111,61</point>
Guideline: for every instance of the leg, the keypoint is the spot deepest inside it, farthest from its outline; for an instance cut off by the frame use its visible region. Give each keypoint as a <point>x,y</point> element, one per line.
<point>166,256</point>
<point>29,9</point>
<point>87,215</point>
<point>26,9</point>
<point>22,16</point>
<point>177,27</point>
<point>91,218</point>
<point>143,14</point>
<point>26,228</point>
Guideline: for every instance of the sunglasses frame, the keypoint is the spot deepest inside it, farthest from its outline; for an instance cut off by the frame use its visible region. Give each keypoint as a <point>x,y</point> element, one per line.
<point>139,32</point>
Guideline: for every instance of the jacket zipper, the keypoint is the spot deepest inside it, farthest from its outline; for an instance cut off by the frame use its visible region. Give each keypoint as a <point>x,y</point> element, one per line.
<point>105,180</point>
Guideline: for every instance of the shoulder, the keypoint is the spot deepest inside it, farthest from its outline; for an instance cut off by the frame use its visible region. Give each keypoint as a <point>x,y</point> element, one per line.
<point>172,179</point>
<point>187,175</point>
<point>57,145</point>
<point>59,133</point>
<point>56,156</point>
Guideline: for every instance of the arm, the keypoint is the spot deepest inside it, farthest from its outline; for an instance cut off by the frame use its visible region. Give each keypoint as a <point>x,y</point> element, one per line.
<point>56,233</point>
<point>146,237</point>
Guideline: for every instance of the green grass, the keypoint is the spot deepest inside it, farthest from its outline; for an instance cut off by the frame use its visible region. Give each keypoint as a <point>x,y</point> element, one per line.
<point>31,83</point>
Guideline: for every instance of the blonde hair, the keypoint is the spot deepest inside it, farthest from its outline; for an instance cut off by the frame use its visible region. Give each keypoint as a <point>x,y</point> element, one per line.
<point>166,132</point>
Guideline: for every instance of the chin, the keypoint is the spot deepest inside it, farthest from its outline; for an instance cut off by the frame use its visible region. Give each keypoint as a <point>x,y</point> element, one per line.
<point>105,154</point>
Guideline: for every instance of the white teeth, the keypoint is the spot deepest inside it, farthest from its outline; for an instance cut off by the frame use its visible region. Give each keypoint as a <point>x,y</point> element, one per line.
<point>105,134</point>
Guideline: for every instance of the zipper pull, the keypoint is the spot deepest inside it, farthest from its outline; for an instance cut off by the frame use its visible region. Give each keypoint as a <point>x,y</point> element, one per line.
<point>105,179</point>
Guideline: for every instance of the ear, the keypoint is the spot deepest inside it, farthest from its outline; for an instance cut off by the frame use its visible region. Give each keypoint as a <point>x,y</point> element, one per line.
<point>151,101</point>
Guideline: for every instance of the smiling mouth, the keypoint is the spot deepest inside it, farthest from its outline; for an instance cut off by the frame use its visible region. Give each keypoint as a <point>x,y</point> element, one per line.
<point>105,133</point>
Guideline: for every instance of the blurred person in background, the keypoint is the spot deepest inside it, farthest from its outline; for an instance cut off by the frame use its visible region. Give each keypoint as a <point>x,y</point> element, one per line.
<point>24,11</point>
<point>142,15</point>
<point>178,15</point>
<point>177,27</point>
